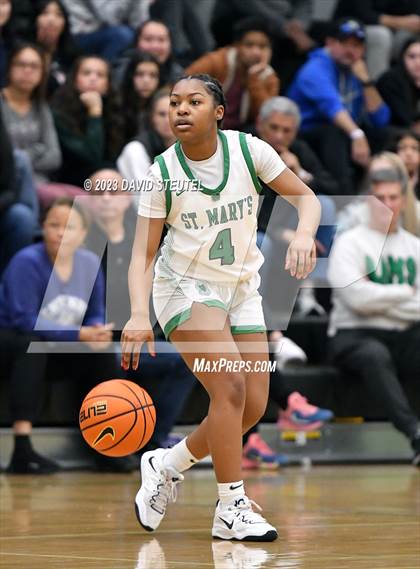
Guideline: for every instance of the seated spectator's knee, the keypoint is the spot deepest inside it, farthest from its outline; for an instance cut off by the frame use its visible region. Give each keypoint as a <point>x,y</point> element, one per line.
<point>20,220</point>
<point>122,35</point>
<point>21,213</point>
<point>374,353</point>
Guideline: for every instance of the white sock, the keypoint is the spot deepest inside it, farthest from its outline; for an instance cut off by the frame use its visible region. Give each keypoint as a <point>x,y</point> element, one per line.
<point>228,491</point>
<point>180,457</point>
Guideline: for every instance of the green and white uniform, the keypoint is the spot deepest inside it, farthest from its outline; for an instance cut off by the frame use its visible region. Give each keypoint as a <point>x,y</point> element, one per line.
<point>210,254</point>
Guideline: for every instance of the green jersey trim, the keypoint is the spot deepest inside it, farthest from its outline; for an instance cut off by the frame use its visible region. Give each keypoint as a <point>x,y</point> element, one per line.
<point>166,181</point>
<point>226,166</point>
<point>185,315</point>
<point>247,329</point>
<point>249,162</point>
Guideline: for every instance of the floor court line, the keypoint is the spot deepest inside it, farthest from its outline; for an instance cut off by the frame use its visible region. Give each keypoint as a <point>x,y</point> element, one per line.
<point>194,530</point>
<point>87,558</point>
<point>327,558</point>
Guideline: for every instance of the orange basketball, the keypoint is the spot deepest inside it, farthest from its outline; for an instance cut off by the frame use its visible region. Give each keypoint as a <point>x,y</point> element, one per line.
<point>117,417</point>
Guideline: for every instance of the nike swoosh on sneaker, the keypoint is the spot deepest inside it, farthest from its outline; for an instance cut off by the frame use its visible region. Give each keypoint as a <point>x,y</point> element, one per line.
<point>229,525</point>
<point>150,462</point>
<point>232,487</point>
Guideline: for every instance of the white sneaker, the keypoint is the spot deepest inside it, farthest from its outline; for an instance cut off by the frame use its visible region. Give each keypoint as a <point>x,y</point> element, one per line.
<point>239,522</point>
<point>228,555</point>
<point>307,303</point>
<point>286,351</point>
<point>158,488</point>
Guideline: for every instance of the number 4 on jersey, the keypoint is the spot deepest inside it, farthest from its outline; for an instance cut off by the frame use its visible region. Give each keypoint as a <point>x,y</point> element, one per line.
<point>222,248</point>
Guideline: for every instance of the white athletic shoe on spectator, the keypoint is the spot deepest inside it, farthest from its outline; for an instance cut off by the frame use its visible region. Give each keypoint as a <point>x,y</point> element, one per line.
<point>158,488</point>
<point>307,304</point>
<point>238,521</point>
<point>287,352</point>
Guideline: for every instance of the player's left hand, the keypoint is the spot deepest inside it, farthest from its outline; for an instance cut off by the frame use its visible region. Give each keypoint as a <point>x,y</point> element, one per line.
<point>301,255</point>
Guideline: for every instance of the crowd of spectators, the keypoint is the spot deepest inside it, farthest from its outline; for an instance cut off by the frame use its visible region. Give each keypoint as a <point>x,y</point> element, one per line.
<point>84,96</point>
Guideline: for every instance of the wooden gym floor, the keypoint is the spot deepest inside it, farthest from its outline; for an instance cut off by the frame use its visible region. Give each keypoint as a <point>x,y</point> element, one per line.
<point>358,517</point>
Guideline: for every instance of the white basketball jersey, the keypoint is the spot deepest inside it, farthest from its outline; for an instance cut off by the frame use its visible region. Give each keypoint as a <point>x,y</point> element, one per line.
<point>212,231</point>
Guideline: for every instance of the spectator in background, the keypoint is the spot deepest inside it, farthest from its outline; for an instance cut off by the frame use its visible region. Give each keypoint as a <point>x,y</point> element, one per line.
<point>26,114</point>
<point>244,71</point>
<point>89,120</point>
<point>278,124</point>
<point>140,83</point>
<point>285,16</point>
<point>165,377</point>
<point>291,25</point>
<point>400,86</point>
<point>17,219</point>
<point>64,302</point>
<point>5,37</point>
<point>154,37</point>
<point>138,155</point>
<point>387,25</point>
<point>53,34</point>
<point>375,321</point>
<point>357,211</point>
<point>337,99</point>
<point>104,28</point>
<point>190,38</point>
<point>407,146</point>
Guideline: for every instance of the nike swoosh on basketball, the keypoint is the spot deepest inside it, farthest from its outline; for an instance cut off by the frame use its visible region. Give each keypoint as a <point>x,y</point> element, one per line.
<point>229,525</point>
<point>106,431</point>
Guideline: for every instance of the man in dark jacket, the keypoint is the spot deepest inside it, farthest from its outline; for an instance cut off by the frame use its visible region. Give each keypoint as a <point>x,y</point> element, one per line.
<point>278,123</point>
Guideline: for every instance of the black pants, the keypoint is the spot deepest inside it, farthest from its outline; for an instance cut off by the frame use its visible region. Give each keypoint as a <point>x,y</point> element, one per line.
<point>28,372</point>
<point>382,359</point>
<point>333,147</point>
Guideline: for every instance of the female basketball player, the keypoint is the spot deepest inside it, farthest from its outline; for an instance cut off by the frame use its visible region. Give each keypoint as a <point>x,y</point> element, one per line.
<point>205,293</point>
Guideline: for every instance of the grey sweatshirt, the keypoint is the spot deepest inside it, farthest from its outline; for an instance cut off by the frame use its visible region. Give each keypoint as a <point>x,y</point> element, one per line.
<point>35,133</point>
<point>375,279</point>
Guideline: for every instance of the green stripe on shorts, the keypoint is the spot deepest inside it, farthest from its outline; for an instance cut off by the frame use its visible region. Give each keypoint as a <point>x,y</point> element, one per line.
<point>247,329</point>
<point>185,315</point>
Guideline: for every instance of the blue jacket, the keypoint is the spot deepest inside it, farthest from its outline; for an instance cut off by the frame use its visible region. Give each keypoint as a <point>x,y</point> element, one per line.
<point>33,298</point>
<point>322,88</point>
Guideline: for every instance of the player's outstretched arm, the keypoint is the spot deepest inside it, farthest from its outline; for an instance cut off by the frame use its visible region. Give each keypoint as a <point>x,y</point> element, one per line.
<point>301,254</point>
<point>140,276</point>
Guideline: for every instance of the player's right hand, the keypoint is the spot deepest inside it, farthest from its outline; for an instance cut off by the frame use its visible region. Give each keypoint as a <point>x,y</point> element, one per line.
<point>301,255</point>
<point>136,332</point>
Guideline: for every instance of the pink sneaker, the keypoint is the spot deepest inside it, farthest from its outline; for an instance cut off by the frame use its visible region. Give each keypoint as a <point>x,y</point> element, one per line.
<point>301,415</point>
<point>257,451</point>
<point>248,464</point>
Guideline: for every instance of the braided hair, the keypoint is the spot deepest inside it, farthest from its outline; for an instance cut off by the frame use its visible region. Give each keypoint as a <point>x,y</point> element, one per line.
<point>212,86</point>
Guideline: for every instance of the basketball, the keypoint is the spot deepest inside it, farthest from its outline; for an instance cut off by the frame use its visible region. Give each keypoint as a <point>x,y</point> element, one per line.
<point>117,417</point>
